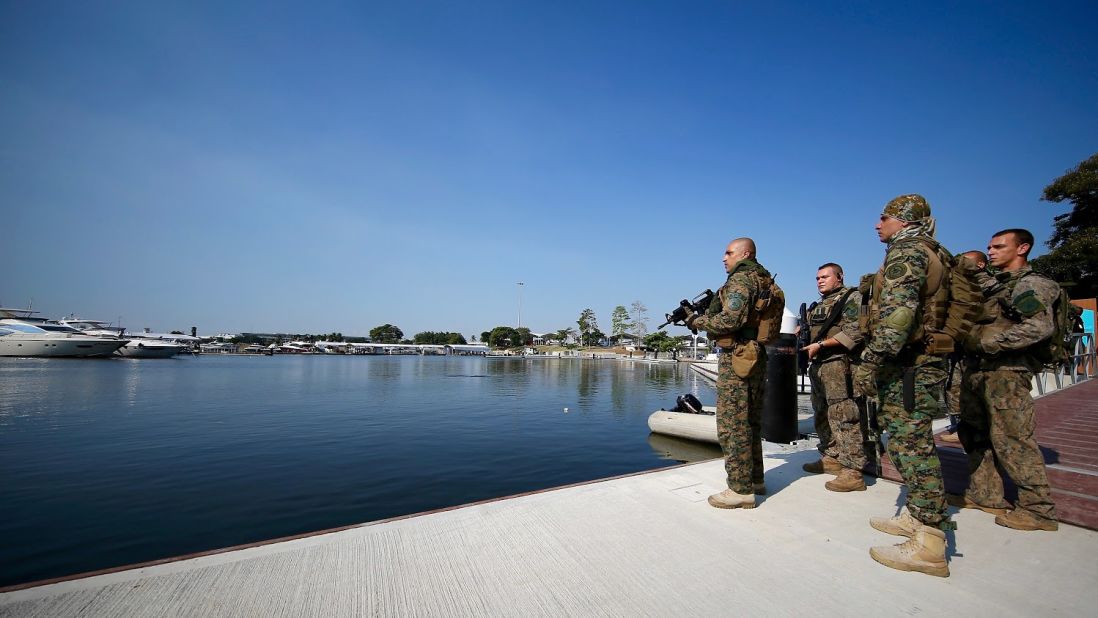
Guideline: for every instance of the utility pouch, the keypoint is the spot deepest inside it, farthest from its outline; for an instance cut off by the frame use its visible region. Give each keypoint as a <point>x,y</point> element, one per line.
<point>724,341</point>
<point>744,358</point>
<point>939,344</point>
<point>909,389</point>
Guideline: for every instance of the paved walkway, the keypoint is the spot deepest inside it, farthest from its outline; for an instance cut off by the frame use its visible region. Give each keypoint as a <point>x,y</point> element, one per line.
<point>1067,432</point>
<point>643,545</point>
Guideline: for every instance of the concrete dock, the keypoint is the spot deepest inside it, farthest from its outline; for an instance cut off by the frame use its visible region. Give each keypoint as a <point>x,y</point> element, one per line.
<point>641,545</point>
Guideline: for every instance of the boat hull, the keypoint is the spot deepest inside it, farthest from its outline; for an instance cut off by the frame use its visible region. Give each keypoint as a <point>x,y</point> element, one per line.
<point>149,349</point>
<point>71,347</point>
<point>700,427</point>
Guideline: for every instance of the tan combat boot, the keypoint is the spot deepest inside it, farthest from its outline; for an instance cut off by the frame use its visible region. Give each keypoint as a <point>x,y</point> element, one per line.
<point>729,499</point>
<point>760,489</point>
<point>900,525</point>
<point>962,501</point>
<point>847,480</point>
<point>826,464</point>
<point>924,552</point>
<point>1024,520</point>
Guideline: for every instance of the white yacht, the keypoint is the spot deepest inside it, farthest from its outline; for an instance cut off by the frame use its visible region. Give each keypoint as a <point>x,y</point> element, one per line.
<point>26,336</point>
<point>92,327</point>
<point>149,348</point>
<point>139,346</point>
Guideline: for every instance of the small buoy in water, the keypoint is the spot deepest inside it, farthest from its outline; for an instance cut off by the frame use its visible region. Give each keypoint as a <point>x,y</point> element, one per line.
<point>566,410</point>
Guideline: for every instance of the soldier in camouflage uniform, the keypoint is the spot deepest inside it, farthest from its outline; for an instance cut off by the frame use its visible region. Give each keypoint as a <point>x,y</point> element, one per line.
<point>838,415</point>
<point>895,361</point>
<point>997,415</point>
<point>957,365</point>
<point>741,371</point>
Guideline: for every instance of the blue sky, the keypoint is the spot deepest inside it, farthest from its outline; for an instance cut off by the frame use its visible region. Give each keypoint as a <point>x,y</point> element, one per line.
<point>276,167</point>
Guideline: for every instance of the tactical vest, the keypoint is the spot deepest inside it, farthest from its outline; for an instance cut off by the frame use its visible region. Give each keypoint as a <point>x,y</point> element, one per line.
<point>949,301</point>
<point>818,316</point>
<point>998,314</point>
<point>764,316</point>
<point>819,313</point>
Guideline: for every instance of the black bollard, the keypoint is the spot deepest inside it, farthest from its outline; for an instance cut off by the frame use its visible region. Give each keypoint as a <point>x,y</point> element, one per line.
<point>779,418</point>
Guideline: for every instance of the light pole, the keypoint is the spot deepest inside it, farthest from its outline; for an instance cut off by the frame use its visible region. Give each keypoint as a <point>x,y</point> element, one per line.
<point>520,286</point>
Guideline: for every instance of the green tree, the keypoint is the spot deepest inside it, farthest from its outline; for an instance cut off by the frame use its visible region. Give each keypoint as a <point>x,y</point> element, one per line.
<point>619,322</point>
<point>386,333</point>
<point>588,324</point>
<point>503,337</point>
<point>563,334</point>
<point>660,341</point>
<point>593,337</point>
<point>1072,259</point>
<point>430,338</point>
<point>638,316</point>
<point>524,336</point>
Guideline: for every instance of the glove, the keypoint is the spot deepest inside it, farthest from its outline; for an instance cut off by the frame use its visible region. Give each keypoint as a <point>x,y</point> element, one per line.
<point>689,321</point>
<point>865,379</point>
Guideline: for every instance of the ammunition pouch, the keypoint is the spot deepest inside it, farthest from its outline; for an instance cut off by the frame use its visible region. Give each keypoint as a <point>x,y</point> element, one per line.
<point>744,358</point>
<point>939,344</point>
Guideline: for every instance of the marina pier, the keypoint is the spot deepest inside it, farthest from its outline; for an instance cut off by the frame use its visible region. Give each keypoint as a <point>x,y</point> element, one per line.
<point>646,544</point>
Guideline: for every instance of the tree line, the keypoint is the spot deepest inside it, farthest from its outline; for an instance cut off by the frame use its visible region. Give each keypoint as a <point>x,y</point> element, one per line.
<point>1072,260</point>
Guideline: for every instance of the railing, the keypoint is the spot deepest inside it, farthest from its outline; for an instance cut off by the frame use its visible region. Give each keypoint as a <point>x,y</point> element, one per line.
<point>1083,365</point>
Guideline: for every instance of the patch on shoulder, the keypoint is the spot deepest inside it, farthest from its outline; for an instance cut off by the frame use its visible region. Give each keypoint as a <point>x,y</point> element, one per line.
<point>901,319</point>
<point>896,271</point>
<point>850,311</point>
<point>736,301</point>
<point>1028,304</point>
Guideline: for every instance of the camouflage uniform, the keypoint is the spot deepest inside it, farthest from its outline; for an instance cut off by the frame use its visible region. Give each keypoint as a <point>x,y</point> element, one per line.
<point>739,399</point>
<point>892,348</point>
<point>838,416</point>
<point>997,414</point>
<point>953,393</point>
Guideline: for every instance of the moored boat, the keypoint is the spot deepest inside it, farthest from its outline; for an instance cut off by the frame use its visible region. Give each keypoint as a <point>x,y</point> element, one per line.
<point>29,337</point>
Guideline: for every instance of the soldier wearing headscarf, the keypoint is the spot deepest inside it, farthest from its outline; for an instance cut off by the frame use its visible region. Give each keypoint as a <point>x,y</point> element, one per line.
<point>908,381</point>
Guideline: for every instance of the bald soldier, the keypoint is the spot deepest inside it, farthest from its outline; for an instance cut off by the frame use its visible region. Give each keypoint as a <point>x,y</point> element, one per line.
<point>907,380</point>
<point>733,325</point>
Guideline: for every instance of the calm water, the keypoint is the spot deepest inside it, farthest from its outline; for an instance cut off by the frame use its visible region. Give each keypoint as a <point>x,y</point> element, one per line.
<point>111,462</point>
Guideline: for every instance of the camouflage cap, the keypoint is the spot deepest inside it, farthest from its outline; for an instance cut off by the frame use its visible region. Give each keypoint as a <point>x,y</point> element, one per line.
<point>908,208</point>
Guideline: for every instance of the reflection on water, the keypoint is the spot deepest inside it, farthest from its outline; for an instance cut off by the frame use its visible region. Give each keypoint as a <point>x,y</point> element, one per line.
<point>682,451</point>
<point>111,462</point>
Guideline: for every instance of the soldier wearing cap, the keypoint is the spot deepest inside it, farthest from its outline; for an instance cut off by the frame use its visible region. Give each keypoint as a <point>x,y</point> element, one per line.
<point>907,381</point>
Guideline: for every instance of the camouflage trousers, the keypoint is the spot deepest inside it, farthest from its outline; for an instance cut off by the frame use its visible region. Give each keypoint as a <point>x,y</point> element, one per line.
<point>997,425</point>
<point>911,440</point>
<point>739,422</point>
<point>838,417</point>
<point>953,393</point>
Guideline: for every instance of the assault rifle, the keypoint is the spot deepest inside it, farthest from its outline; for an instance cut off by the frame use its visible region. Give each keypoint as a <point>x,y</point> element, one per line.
<point>804,337</point>
<point>688,308</point>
